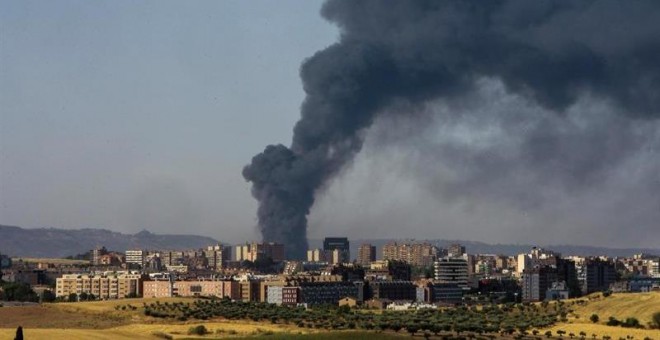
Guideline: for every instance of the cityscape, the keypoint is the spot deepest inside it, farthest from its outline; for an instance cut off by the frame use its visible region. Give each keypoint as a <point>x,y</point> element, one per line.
<point>330,169</point>
<point>399,275</point>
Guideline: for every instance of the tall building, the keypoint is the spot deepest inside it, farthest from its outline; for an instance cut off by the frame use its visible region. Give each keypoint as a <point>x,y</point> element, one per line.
<point>366,254</point>
<point>217,256</point>
<point>536,282</point>
<point>316,255</point>
<point>535,258</point>
<point>338,243</point>
<point>418,254</point>
<point>256,251</point>
<point>136,257</point>
<point>599,275</point>
<point>452,270</point>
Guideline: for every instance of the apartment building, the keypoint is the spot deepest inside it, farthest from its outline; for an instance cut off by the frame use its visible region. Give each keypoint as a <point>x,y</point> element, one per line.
<point>316,255</point>
<point>103,286</point>
<point>535,258</point>
<point>167,288</point>
<point>136,257</point>
<point>217,256</point>
<point>256,251</point>
<point>342,247</point>
<point>366,254</point>
<point>599,275</point>
<point>536,281</point>
<point>418,254</point>
<point>452,270</point>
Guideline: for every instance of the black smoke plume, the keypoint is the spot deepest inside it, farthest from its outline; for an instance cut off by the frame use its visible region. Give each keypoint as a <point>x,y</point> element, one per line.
<point>552,52</point>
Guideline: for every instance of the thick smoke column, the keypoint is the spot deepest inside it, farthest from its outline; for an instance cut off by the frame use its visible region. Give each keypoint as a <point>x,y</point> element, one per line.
<point>413,51</point>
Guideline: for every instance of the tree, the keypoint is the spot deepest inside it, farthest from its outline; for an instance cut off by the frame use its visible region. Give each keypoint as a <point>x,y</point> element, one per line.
<point>548,334</point>
<point>48,296</point>
<point>15,291</point>
<point>73,297</point>
<point>19,333</point>
<point>655,320</point>
<point>631,322</point>
<point>594,318</point>
<point>198,330</point>
<point>412,328</point>
<point>612,321</point>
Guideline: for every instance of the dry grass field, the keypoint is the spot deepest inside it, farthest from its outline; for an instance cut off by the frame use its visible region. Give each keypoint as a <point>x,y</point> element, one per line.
<point>148,331</point>
<point>621,306</point>
<point>101,320</point>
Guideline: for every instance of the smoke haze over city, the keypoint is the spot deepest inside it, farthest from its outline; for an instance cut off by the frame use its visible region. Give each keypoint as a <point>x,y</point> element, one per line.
<point>503,122</point>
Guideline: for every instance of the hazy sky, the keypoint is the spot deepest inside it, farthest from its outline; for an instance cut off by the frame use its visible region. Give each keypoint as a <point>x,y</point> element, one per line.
<point>140,115</point>
<point>130,115</point>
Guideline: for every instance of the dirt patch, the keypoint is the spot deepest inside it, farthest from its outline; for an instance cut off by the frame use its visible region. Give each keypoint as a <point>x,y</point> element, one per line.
<point>46,316</point>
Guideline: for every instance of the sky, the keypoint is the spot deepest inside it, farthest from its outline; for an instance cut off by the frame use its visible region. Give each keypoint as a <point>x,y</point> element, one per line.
<point>141,115</point>
<point>129,115</point>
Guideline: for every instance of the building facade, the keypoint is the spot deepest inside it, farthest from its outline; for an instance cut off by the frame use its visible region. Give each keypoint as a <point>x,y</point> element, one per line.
<point>340,244</point>
<point>102,286</point>
<point>366,254</point>
<point>452,270</point>
<point>135,258</point>
<point>418,254</point>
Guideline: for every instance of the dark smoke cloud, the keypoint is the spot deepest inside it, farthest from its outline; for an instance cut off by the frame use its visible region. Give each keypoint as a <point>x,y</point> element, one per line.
<point>393,52</point>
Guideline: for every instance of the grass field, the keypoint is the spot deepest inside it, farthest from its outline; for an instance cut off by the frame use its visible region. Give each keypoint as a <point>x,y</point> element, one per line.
<point>621,306</point>
<point>101,320</point>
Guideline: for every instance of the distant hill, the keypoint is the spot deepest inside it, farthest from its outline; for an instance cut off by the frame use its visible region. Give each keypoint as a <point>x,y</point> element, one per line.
<point>473,247</point>
<point>52,242</point>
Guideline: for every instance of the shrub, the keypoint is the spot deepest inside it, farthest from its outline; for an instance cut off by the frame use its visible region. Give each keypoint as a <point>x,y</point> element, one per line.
<point>612,321</point>
<point>594,318</point>
<point>198,330</point>
<point>655,320</point>
<point>631,323</point>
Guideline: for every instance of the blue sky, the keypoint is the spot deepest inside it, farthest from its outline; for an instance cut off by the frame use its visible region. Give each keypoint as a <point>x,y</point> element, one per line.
<point>131,115</point>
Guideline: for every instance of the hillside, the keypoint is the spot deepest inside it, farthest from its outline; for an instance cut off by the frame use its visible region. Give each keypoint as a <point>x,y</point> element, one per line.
<point>52,242</point>
<point>621,306</point>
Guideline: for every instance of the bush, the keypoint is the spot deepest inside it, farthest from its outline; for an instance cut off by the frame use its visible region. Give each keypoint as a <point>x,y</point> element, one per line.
<point>631,323</point>
<point>612,321</point>
<point>594,318</point>
<point>655,320</point>
<point>198,330</point>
